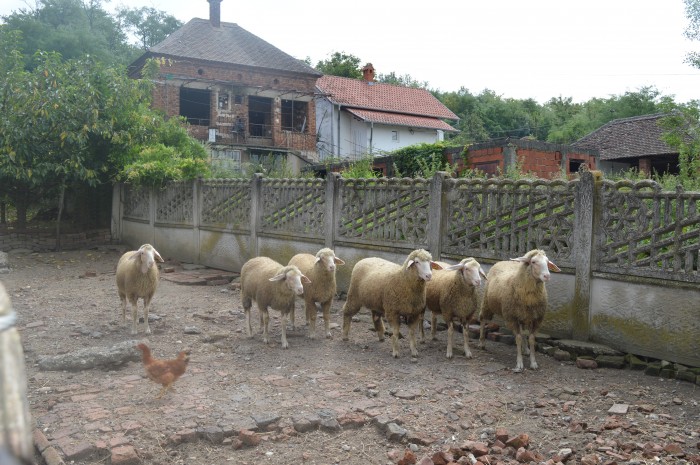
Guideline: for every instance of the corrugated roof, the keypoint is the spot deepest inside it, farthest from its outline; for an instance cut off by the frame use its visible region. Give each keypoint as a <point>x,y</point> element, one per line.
<point>356,93</point>
<point>230,43</point>
<point>638,136</point>
<point>382,117</point>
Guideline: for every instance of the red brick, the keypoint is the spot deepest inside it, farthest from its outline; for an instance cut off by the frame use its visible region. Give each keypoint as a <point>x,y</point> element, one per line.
<point>124,455</point>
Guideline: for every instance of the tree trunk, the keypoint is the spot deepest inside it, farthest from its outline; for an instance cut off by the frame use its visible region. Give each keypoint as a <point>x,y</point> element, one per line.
<point>61,195</point>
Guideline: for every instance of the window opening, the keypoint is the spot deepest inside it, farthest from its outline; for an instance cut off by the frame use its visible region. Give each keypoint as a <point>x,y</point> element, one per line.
<point>294,116</point>
<point>260,116</point>
<point>194,105</point>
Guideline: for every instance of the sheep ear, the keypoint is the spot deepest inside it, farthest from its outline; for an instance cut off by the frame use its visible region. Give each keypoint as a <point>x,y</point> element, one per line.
<point>136,255</point>
<point>481,272</point>
<point>521,260</point>
<point>318,259</point>
<point>552,266</point>
<point>305,280</point>
<point>157,255</point>
<point>339,261</point>
<point>435,265</point>
<point>458,266</point>
<point>279,277</point>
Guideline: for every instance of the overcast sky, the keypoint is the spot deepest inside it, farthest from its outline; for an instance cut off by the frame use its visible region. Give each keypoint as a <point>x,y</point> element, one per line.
<point>517,48</point>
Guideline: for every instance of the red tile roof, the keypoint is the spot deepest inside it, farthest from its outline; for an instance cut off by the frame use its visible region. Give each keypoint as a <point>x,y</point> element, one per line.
<point>399,119</point>
<point>356,93</point>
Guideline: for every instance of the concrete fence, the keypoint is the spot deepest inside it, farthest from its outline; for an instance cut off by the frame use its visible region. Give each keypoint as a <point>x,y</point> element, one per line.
<point>629,251</point>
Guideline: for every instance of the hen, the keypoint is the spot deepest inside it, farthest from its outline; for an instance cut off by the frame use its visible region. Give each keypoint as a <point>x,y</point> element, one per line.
<point>163,372</point>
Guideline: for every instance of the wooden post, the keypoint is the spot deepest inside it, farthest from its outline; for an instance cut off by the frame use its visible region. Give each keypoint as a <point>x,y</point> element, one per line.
<point>15,425</point>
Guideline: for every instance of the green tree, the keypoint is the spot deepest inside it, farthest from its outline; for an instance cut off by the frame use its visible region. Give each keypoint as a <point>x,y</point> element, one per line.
<point>692,32</point>
<point>406,80</point>
<point>341,64</point>
<point>149,25</point>
<point>73,28</point>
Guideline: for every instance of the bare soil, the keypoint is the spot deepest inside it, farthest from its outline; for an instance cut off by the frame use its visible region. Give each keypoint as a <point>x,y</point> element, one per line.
<point>68,301</point>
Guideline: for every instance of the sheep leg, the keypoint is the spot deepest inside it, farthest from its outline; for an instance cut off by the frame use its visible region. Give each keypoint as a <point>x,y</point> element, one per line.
<point>146,305</point>
<point>347,319</point>
<point>421,329</point>
<point>433,326</point>
<point>519,356</point>
<point>311,318</point>
<point>482,332</point>
<point>526,349</point>
<point>394,322</point>
<point>291,317</point>
<point>465,335</point>
<point>378,325</point>
<point>134,315</point>
<point>412,326</point>
<point>283,322</point>
<point>246,309</point>
<point>531,338</point>
<point>122,298</point>
<point>450,334</point>
<point>265,318</point>
<point>326,307</point>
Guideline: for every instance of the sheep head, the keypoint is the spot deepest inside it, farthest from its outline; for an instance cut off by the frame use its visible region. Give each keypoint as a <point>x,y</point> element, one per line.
<point>470,270</point>
<point>538,263</point>
<point>326,257</point>
<point>423,263</point>
<point>293,278</point>
<point>148,255</point>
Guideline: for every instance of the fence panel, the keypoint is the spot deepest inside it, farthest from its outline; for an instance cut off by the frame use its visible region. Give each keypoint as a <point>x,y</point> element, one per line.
<point>498,219</point>
<point>137,203</point>
<point>226,204</point>
<point>647,232</point>
<point>174,203</point>
<point>392,212</point>
<point>294,207</point>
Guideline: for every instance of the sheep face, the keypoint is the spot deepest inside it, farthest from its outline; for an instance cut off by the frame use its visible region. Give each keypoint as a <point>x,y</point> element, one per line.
<point>539,265</point>
<point>472,272</point>
<point>328,260</point>
<point>423,268</point>
<point>148,255</point>
<point>293,278</point>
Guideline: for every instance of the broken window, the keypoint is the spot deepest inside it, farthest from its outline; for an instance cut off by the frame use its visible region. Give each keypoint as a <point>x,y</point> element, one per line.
<point>294,116</point>
<point>259,116</point>
<point>195,105</point>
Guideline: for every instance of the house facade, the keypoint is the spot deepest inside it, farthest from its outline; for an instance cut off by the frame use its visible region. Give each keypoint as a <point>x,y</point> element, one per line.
<point>635,142</point>
<point>358,117</point>
<point>252,102</point>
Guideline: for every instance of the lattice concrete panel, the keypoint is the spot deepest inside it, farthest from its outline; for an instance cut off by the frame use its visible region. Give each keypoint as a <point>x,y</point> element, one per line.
<point>294,206</point>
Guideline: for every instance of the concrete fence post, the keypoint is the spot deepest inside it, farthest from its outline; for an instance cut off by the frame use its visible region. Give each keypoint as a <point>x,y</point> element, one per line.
<point>196,217</point>
<point>584,212</point>
<point>15,424</point>
<point>152,205</point>
<point>332,180</point>
<point>255,212</point>
<point>436,217</point>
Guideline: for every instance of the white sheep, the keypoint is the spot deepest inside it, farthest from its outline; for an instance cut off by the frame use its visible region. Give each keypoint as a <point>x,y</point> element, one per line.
<point>390,290</point>
<point>320,269</point>
<point>137,278</point>
<point>272,285</point>
<point>454,293</point>
<point>516,291</point>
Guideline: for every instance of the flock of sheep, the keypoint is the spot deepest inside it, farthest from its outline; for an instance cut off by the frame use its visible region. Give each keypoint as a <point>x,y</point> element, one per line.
<point>515,290</point>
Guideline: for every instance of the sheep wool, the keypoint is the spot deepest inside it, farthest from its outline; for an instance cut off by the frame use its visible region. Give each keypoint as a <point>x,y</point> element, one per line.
<point>320,269</point>
<point>516,291</point>
<point>270,285</point>
<point>453,292</point>
<point>390,290</point>
<point>137,278</point>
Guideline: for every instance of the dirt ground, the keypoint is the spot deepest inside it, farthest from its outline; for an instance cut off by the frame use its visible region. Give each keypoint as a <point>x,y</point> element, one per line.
<point>322,401</point>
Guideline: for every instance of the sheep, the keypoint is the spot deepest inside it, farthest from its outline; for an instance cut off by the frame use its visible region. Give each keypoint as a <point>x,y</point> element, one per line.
<point>320,269</point>
<point>137,277</point>
<point>516,291</point>
<point>270,284</point>
<point>454,293</point>
<point>390,290</point>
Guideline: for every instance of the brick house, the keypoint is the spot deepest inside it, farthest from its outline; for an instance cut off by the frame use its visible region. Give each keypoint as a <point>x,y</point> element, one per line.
<point>251,102</point>
<point>634,142</point>
<point>356,117</point>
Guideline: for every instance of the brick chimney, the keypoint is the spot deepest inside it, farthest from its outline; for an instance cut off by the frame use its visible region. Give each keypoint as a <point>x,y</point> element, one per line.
<point>368,73</point>
<point>215,12</point>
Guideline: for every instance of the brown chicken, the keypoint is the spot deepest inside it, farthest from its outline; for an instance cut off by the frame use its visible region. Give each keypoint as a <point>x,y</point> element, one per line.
<point>163,372</point>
